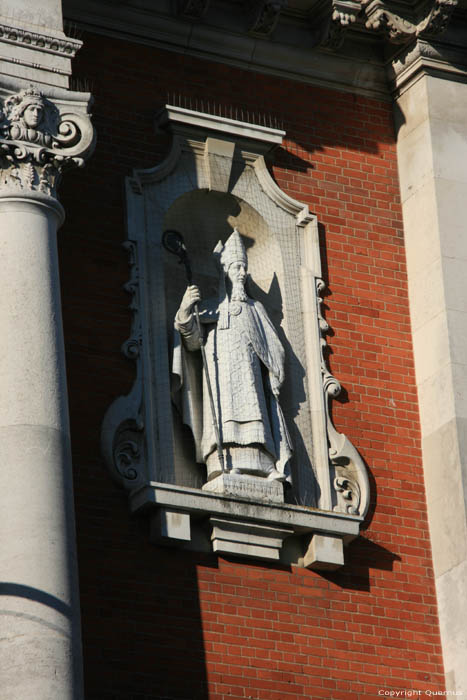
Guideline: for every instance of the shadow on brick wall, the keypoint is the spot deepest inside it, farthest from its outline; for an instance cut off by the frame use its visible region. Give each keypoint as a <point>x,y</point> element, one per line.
<point>141,620</point>
<point>362,556</point>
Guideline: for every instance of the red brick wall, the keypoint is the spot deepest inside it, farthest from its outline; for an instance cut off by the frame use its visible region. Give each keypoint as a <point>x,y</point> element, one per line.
<point>165,624</point>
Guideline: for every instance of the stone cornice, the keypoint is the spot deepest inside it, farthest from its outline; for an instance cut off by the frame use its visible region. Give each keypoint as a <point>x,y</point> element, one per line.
<point>232,128</point>
<point>343,44</point>
<point>65,46</point>
<point>290,56</point>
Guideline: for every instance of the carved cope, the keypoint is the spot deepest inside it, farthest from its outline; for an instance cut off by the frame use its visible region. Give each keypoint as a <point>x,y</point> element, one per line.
<point>39,141</point>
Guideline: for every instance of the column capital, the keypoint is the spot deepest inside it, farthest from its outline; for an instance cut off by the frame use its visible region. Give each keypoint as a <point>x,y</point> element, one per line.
<point>41,136</point>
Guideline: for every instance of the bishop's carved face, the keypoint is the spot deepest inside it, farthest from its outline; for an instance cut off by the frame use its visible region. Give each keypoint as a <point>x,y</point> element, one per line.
<point>33,115</point>
<point>237,273</point>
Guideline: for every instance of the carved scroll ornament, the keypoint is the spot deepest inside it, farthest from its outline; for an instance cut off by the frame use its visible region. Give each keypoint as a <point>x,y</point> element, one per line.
<point>39,141</point>
<point>348,472</point>
<point>123,439</point>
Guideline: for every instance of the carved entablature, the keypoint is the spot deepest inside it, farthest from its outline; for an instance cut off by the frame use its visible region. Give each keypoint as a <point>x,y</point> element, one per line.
<point>226,436</point>
<point>40,138</point>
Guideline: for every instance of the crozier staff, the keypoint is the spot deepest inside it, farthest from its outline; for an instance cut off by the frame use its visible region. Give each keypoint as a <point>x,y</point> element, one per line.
<point>173,242</point>
<point>245,362</point>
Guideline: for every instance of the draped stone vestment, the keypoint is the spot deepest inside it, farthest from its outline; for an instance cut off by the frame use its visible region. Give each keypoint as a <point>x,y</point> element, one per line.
<point>243,354</point>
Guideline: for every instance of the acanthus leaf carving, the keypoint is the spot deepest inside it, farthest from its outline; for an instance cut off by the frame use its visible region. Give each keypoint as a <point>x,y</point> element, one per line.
<point>398,29</point>
<point>437,19</point>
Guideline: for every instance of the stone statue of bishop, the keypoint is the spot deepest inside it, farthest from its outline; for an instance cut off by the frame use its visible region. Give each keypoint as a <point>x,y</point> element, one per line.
<point>245,361</point>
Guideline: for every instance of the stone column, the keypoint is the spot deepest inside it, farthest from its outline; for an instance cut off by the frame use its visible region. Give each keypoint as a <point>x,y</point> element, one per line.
<point>40,645</point>
<point>432,152</point>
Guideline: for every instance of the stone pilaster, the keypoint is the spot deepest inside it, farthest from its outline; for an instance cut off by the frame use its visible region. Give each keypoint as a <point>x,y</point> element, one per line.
<point>40,137</point>
<point>431,108</point>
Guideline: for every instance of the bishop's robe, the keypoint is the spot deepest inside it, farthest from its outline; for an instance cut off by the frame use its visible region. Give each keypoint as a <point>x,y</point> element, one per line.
<point>245,359</point>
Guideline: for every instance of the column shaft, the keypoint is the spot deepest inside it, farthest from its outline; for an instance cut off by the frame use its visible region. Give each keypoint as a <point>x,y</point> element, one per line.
<point>40,630</point>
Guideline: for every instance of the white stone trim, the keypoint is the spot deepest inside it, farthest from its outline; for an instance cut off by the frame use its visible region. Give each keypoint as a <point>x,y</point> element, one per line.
<point>246,528</point>
<point>301,518</point>
<point>235,129</point>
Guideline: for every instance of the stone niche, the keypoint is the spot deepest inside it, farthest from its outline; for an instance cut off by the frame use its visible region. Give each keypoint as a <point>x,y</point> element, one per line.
<point>214,180</point>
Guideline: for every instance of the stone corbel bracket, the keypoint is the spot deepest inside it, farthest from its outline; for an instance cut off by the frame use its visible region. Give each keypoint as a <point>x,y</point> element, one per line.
<point>41,137</point>
<point>343,15</point>
<point>193,10</point>
<point>263,16</point>
<point>221,155</point>
<point>432,21</point>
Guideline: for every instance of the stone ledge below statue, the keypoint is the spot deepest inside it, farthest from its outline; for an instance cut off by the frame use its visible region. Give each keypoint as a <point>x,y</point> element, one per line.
<point>245,486</point>
<point>248,539</point>
<point>206,521</point>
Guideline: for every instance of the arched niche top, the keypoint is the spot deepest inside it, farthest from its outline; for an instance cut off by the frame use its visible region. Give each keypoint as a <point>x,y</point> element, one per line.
<point>215,179</point>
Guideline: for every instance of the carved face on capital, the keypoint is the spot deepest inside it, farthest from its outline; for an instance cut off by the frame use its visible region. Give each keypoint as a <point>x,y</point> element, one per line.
<point>28,116</point>
<point>33,115</point>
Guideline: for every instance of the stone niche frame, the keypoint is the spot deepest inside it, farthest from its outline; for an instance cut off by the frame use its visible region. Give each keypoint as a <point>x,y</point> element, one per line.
<point>215,164</point>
